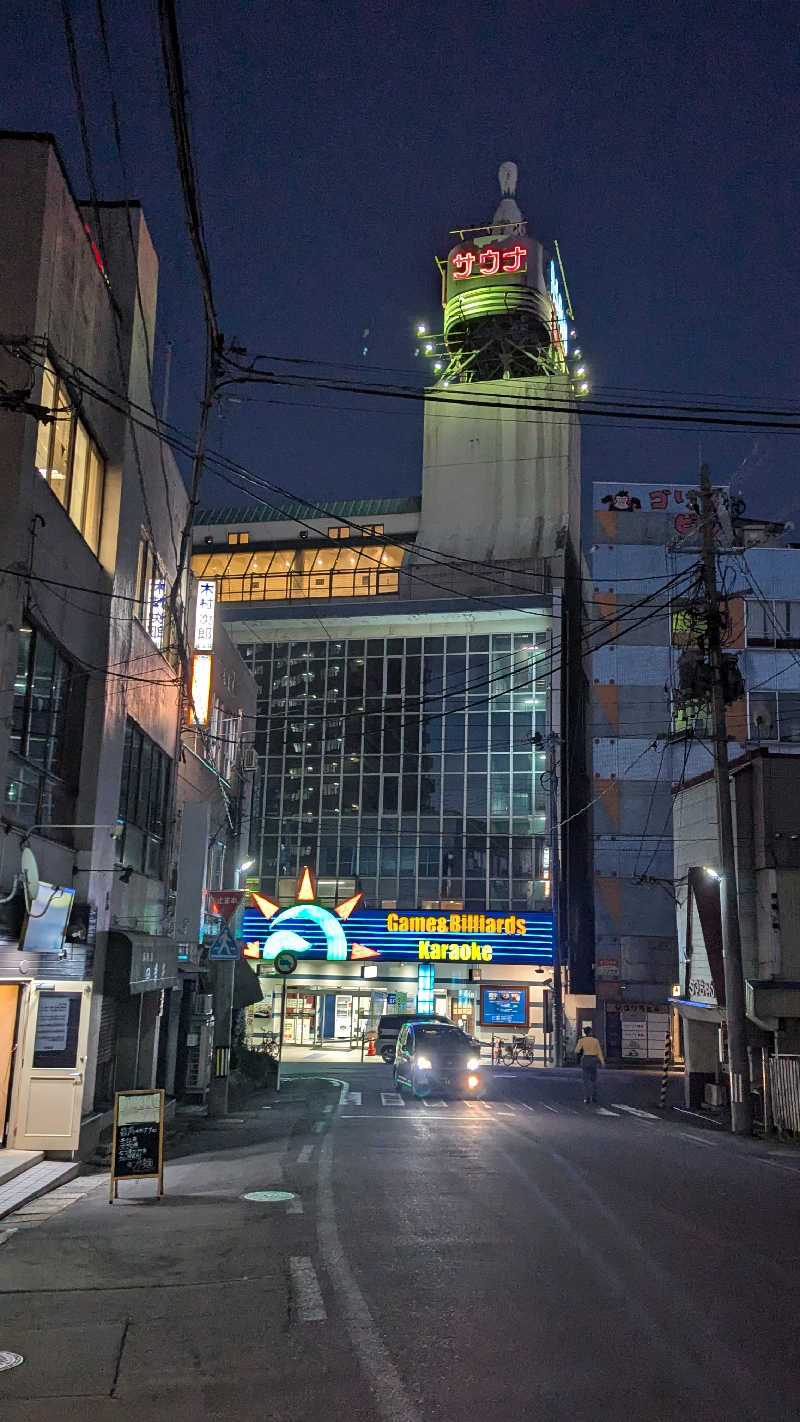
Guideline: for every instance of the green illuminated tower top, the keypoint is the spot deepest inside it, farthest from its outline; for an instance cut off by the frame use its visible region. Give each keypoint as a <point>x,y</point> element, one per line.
<point>503,319</point>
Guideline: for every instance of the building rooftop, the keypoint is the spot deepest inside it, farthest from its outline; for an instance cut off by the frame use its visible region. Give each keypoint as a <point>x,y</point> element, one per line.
<point>301,510</point>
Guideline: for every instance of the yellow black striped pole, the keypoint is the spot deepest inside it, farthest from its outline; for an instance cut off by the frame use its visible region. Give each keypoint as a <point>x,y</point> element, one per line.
<point>662,1097</point>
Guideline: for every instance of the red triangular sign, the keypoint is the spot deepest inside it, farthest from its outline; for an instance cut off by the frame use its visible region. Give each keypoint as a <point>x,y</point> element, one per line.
<point>225,902</point>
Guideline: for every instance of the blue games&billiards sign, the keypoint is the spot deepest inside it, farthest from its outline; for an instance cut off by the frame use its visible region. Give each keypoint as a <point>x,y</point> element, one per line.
<point>349,932</point>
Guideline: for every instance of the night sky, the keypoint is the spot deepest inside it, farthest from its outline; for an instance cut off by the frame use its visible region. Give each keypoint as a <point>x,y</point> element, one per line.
<point>337,144</point>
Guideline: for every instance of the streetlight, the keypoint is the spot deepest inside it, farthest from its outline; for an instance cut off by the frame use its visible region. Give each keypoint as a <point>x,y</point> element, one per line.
<point>248,864</point>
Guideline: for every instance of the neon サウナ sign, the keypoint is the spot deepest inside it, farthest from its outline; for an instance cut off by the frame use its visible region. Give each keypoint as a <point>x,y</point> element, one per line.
<point>490,262</point>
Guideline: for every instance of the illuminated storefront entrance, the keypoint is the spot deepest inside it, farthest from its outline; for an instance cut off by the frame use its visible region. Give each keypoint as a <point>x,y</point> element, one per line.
<point>485,971</point>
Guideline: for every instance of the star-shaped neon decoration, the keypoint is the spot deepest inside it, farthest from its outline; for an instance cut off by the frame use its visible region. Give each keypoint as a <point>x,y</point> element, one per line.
<point>306,898</point>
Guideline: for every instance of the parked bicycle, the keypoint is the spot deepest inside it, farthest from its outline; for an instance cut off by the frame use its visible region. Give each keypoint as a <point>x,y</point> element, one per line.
<point>268,1044</point>
<point>520,1051</point>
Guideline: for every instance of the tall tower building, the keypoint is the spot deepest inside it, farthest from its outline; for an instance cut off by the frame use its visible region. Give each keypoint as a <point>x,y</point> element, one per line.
<point>418,664</point>
<point>502,440</point>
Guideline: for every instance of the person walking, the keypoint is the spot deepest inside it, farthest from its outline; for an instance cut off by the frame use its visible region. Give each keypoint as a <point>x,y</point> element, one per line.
<point>591,1054</point>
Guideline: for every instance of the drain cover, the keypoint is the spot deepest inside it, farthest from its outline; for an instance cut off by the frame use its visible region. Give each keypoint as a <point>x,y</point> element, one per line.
<point>268,1197</point>
<point>10,1360</point>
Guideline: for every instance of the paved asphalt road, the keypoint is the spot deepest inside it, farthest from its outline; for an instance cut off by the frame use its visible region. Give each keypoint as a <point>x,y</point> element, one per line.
<point>526,1258</point>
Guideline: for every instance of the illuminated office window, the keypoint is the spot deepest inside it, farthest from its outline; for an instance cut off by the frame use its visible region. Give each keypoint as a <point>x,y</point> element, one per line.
<point>69,460</point>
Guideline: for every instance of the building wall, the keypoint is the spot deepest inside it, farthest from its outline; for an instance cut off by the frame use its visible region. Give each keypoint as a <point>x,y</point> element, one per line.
<point>60,304</point>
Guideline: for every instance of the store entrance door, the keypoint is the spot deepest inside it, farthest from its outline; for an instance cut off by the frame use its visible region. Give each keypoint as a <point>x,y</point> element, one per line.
<point>49,1071</point>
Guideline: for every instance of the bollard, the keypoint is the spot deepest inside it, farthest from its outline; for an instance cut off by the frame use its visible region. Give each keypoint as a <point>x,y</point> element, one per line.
<point>662,1097</point>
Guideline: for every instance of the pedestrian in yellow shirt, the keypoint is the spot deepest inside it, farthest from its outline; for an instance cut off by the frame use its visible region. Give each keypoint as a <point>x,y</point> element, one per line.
<point>591,1054</point>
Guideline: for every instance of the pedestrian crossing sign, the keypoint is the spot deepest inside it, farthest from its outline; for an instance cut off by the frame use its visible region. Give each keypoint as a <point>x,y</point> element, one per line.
<point>224,946</point>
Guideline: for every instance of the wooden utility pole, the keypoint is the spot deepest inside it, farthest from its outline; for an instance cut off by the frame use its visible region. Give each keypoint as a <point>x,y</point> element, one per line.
<point>741,1101</point>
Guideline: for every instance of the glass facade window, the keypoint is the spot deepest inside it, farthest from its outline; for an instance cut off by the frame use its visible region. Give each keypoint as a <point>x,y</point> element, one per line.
<point>241,536</point>
<point>774,715</point>
<point>69,461</point>
<point>297,574</point>
<point>49,695</point>
<point>143,802</point>
<point>406,763</point>
<point>772,622</point>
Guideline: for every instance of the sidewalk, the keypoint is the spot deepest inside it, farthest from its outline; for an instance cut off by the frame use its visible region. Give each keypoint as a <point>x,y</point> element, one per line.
<point>175,1307</point>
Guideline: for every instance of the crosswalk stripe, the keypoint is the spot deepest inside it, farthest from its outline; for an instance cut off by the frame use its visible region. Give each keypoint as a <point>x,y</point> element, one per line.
<point>601,1111</point>
<point>353,1098</point>
<point>391,1098</point>
<point>634,1111</point>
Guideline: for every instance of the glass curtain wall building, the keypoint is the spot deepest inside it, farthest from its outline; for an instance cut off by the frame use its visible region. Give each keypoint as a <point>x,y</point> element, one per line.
<point>407,763</point>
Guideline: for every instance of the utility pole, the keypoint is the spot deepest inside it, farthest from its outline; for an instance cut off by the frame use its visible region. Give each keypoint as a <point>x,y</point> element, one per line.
<point>553,743</point>
<point>741,1101</point>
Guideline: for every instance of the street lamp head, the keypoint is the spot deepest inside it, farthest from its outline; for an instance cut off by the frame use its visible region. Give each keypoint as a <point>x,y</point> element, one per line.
<point>248,864</point>
<point>712,873</point>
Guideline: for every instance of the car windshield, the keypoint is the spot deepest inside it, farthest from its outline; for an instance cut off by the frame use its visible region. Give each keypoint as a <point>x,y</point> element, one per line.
<point>444,1034</point>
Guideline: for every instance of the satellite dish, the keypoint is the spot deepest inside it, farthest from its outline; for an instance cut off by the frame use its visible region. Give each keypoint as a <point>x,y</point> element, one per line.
<point>29,871</point>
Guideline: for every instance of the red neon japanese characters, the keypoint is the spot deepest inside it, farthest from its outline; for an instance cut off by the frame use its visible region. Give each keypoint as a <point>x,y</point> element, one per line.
<point>489,262</point>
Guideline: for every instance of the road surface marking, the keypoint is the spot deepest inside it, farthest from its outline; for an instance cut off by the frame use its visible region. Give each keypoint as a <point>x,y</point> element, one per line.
<point>353,1098</point>
<point>327,1110</point>
<point>305,1155</point>
<point>554,1109</point>
<point>306,1295</point>
<point>698,1140</point>
<point>391,1098</point>
<point>634,1111</point>
<point>318,1127</point>
<point>709,1120</point>
<point>296,1206</point>
<point>393,1402</point>
<point>603,1111</point>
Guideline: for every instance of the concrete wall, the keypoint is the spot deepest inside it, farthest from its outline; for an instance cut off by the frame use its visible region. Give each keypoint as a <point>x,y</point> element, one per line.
<point>514,471</point>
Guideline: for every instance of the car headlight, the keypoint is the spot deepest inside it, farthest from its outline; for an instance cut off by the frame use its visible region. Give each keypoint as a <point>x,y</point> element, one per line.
<point>473,1063</point>
<point>424,1063</point>
<point>473,1081</point>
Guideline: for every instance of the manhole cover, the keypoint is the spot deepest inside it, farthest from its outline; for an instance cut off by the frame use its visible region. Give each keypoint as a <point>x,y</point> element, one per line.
<point>268,1197</point>
<point>10,1360</point>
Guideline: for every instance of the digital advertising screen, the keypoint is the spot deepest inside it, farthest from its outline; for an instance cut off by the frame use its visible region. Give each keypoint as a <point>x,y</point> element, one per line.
<point>504,1006</point>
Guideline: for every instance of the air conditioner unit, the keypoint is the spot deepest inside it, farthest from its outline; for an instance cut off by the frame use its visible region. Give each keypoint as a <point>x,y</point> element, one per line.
<point>249,758</point>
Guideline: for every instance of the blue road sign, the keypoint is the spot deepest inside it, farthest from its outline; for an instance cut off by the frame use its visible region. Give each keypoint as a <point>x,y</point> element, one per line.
<point>224,946</point>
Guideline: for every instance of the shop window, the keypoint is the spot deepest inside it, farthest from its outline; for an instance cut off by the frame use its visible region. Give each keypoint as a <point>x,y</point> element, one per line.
<point>143,803</point>
<point>69,460</point>
<point>46,718</point>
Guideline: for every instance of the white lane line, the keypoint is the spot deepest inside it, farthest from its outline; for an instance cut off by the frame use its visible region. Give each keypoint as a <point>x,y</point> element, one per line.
<point>697,1140</point>
<point>554,1109</point>
<point>318,1127</point>
<point>391,1098</point>
<point>602,1111</point>
<point>393,1402</point>
<point>353,1098</point>
<point>526,1107</point>
<point>306,1295</point>
<point>709,1120</point>
<point>778,1165</point>
<point>295,1206</point>
<point>634,1111</point>
<point>305,1155</point>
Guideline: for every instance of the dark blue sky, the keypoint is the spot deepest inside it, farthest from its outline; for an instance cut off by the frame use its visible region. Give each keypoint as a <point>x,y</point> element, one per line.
<point>337,144</point>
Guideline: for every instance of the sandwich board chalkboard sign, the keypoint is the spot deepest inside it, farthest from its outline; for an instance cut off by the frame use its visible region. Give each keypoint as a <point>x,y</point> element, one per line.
<point>137,1146</point>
